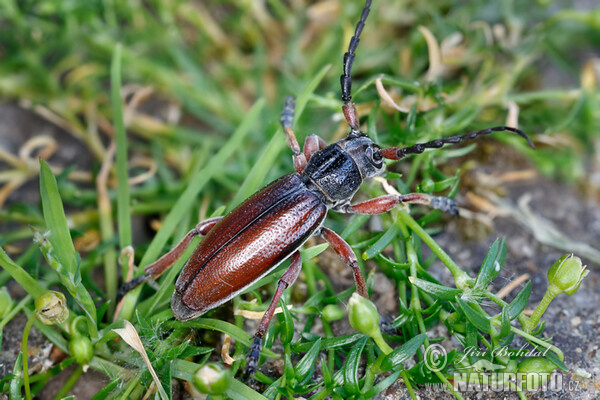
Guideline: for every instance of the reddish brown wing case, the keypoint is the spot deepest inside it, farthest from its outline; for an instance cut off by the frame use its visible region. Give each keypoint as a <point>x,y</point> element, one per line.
<point>248,243</point>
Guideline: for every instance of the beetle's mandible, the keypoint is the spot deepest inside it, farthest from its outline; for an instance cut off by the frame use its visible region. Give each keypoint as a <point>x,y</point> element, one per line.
<point>271,226</point>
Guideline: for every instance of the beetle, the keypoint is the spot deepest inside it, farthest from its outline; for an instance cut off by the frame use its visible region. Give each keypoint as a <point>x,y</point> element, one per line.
<point>272,225</point>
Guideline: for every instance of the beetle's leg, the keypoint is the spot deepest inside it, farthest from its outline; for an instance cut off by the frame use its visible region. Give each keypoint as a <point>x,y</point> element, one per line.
<point>158,267</point>
<point>383,204</point>
<point>287,115</point>
<point>286,280</point>
<point>344,250</point>
<point>312,144</point>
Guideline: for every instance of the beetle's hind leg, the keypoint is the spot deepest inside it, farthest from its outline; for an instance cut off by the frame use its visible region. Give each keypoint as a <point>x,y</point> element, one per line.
<point>287,279</point>
<point>161,265</point>
<point>344,250</point>
<point>383,204</point>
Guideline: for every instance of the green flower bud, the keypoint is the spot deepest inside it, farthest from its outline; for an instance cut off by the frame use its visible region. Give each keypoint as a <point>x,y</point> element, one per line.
<point>51,308</point>
<point>81,348</point>
<point>332,312</point>
<point>5,302</point>
<point>212,379</point>
<point>567,273</point>
<point>363,315</point>
<point>534,371</point>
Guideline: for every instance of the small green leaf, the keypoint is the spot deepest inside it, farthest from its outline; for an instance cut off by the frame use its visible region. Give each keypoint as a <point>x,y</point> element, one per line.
<point>103,394</point>
<point>516,307</point>
<point>313,251</point>
<point>15,383</point>
<point>437,291</point>
<point>328,343</point>
<point>287,329</point>
<point>381,243</point>
<point>481,322</point>
<point>382,385</point>
<point>403,353</point>
<point>327,378</point>
<point>351,366</point>
<point>492,264</point>
<point>505,327</point>
<point>306,366</point>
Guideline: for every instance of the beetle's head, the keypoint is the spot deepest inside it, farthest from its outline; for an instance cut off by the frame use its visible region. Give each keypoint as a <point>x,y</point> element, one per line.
<point>365,153</point>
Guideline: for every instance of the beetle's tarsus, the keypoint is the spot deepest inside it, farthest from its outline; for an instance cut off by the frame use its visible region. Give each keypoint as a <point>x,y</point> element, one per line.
<point>253,357</point>
<point>444,204</point>
<point>132,284</point>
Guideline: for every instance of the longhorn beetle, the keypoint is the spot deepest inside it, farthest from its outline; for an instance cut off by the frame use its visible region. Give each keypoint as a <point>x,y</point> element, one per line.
<point>271,226</point>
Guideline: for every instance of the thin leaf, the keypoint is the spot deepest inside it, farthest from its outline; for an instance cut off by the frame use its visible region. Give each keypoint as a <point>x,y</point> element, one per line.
<point>287,331</point>
<point>328,343</point>
<point>381,243</point>
<point>403,353</point>
<point>30,285</point>
<point>15,383</point>
<point>437,291</point>
<point>516,307</point>
<point>505,327</point>
<point>351,366</point>
<point>103,394</point>
<point>306,366</point>
<point>123,197</point>
<point>382,385</point>
<point>479,321</point>
<point>492,264</point>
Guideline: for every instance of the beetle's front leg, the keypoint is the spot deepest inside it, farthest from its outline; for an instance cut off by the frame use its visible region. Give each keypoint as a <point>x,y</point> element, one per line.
<point>287,116</point>
<point>312,144</point>
<point>344,250</point>
<point>158,267</point>
<point>383,204</point>
<point>287,279</point>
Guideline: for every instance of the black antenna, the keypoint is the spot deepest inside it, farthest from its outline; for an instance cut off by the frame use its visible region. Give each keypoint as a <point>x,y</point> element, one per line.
<point>346,78</point>
<point>393,153</point>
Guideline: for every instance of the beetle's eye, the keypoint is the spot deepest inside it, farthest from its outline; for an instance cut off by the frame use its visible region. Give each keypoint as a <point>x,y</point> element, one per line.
<point>375,157</point>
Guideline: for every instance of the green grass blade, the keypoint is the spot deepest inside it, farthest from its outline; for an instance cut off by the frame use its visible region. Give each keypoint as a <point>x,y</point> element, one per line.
<point>186,200</point>
<point>56,221</point>
<point>58,248</point>
<point>303,97</point>
<point>257,174</point>
<point>30,285</point>
<point>123,198</point>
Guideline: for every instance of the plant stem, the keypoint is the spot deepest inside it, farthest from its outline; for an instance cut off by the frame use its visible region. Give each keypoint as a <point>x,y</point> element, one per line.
<point>25,356</point>
<point>539,341</point>
<point>460,277</point>
<point>533,321</point>
<point>381,343</point>
<point>69,383</point>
